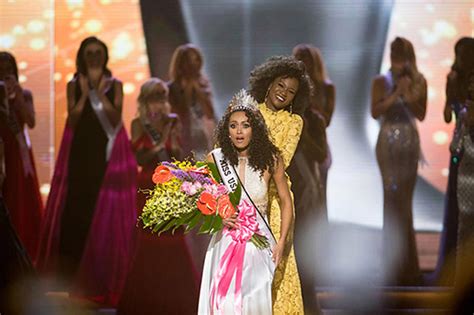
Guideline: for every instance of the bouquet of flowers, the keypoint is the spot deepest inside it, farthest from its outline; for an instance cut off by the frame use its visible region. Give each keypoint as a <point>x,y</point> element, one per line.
<point>191,195</point>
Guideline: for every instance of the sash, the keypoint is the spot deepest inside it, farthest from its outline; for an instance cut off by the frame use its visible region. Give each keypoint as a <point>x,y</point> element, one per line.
<point>22,138</point>
<point>109,130</point>
<point>231,180</point>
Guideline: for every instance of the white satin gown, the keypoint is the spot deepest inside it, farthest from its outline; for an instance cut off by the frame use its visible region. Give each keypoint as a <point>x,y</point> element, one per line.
<point>258,267</point>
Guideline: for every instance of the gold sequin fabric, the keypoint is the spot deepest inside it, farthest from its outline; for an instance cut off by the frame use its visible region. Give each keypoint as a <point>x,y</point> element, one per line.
<point>285,130</point>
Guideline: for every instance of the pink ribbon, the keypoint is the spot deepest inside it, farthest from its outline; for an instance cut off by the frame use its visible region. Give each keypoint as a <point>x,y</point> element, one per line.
<point>233,259</point>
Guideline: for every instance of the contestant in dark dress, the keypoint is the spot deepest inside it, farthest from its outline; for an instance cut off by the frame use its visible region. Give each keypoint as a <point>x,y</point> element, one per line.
<point>462,146</point>
<point>87,150</point>
<point>91,209</point>
<point>322,103</point>
<point>456,95</point>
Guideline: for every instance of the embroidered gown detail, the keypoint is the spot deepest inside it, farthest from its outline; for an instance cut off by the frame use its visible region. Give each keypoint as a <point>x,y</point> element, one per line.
<point>285,130</point>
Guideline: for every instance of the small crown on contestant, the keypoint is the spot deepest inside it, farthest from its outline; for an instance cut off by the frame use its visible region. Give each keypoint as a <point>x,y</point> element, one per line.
<point>242,101</point>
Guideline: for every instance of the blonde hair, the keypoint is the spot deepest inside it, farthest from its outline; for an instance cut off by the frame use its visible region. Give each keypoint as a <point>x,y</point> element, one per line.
<point>153,89</point>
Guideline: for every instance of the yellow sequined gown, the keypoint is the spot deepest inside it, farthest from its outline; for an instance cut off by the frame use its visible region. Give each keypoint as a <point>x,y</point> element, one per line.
<point>285,131</point>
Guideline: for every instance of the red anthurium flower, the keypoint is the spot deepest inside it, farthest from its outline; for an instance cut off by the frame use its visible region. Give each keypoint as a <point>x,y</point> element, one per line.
<point>225,207</point>
<point>207,203</point>
<point>161,175</point>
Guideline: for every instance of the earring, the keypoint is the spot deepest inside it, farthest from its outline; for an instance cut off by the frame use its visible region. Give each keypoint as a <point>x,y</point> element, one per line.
<point>266,94</point>
<point>291,108</point>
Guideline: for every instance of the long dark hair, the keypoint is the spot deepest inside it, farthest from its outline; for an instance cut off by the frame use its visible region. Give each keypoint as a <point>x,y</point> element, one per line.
<point>281,66</point>
<point>6,56</point>
<point>262,152</point>
<point>81,67</point>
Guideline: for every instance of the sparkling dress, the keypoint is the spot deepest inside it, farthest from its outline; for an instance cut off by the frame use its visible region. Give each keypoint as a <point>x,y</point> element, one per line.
<point>398,153</point>
<point>464,142</point>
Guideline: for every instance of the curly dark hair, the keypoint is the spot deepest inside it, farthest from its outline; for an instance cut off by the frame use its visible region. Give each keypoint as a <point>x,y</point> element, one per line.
<point>281,66</point>
<point>262,151</point>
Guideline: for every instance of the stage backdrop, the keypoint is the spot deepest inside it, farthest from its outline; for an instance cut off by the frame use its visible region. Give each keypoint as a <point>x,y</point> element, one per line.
<point>44,36</point>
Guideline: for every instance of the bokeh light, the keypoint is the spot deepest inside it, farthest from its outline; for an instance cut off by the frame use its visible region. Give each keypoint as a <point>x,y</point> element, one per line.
<point>44,37</point>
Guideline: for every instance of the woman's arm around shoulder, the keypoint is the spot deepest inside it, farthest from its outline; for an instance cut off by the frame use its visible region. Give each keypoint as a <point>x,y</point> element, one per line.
<point>291,139</point>
<point>286,208</point>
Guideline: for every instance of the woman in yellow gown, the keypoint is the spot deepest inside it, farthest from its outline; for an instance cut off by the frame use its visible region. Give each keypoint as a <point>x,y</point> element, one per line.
<point>282,88</point>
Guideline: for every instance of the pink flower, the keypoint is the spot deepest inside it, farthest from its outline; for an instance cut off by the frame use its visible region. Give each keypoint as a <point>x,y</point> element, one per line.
<point>186,187</point>
<point>197,186</point>
<point>191,188</point>
<point>221,190</point>
<point>212,189</point>
<point>216,190</point>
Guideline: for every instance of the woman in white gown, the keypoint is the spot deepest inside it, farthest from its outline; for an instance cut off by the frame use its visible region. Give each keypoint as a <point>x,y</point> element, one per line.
<point>237,276</point>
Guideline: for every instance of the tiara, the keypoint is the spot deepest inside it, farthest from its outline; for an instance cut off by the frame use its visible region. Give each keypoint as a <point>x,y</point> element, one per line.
<point>242,101</point>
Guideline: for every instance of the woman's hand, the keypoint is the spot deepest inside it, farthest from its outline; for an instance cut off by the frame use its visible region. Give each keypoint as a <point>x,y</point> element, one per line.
<point>278,252</point>
<point>403,85</point>
<point>84,84</point>
<point>104,85</point>
<point>12,86</point>
<point>231,222</point>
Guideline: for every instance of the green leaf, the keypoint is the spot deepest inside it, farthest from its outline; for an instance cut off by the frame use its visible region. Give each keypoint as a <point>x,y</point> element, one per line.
<point>157,228</point>
<point>260,241</point>
<point>200,163</point>
<point>214,172</point>
<point>216,224</point>
<point>193,222</point>
<point>145,220</point>
<point>235,196</point>
<point>171,223</point>
<point>207,224</point>
<point>185,219</point>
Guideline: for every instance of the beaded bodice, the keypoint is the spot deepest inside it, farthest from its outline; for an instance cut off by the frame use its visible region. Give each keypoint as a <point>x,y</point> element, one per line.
<point>255,184</point>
